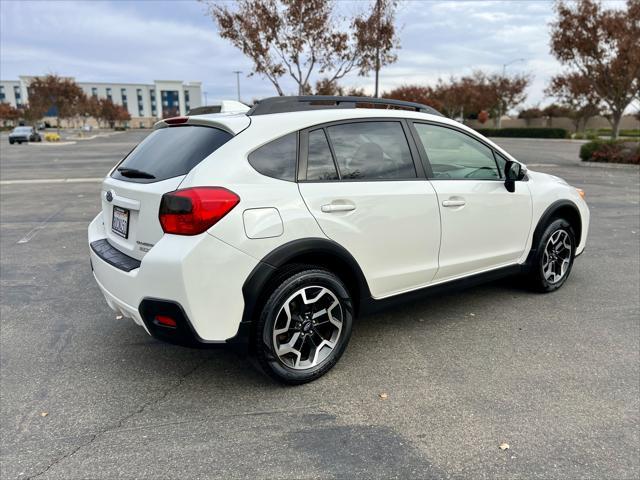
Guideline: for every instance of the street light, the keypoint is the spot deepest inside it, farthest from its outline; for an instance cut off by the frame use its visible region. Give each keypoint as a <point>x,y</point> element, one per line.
<point>205,98</point>
<point>238,72</point>
<point>504,74</point>
<point>505,65</point>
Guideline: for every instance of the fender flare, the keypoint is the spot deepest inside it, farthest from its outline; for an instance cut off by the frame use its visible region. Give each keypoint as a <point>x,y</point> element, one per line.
<point>263,272</point>
<point>547,215</point>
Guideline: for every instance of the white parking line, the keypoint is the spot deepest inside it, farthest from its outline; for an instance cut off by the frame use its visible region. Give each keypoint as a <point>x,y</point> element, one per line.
<point>34,231</point>
<point>52,180</point>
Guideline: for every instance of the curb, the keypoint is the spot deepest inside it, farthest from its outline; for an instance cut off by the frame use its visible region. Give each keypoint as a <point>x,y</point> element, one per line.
<point>624,166</point>
<point>42,144</point>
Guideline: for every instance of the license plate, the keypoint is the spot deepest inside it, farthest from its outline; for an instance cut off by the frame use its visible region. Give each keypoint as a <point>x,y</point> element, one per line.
<point>120,222</point>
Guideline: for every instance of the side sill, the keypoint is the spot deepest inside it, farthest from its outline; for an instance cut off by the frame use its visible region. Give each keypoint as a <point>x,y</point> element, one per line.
<point>371,305</point>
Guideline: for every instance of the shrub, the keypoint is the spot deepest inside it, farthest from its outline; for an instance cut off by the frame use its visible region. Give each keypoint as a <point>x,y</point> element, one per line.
<point>52,137</point>
<point>606,132</point>
<point>524,132</point>
<point>609,151</point>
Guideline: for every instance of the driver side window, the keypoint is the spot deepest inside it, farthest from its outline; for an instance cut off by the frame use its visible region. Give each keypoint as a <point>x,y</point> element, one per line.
<point>456,156</point>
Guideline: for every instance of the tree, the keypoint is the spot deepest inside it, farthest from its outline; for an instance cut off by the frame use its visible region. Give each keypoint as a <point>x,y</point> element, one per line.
<point>376,38</point>
<point>297,38</point>
<point>554,111</point>
<point>500,93</point>
<point>458,97</point>
<point>575,92</point>
<point>61,94</point>
<point>414,93</point>
<point>529,114</point>
<point>8,113</point>
<point>602,46</point>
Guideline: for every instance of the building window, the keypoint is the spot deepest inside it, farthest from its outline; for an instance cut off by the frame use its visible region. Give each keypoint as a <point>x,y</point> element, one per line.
<point>152,93</point>
<point>94,91</point>
<point>170,103</point>
<point>109,94</point>
<point>16,93</point>
<point>123,92</point>
<point>139,93</point>
<point>1,93</point>
<point>186,100</point>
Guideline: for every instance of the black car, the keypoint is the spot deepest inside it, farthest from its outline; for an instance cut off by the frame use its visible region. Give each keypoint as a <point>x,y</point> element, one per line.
<point>24,134</point>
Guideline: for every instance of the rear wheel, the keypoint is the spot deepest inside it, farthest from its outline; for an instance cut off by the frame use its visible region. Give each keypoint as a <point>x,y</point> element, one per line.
<point>304,326</point>
<point>554,256</point>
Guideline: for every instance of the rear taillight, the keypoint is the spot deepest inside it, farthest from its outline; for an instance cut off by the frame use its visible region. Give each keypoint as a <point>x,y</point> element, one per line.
<point>194,210</point>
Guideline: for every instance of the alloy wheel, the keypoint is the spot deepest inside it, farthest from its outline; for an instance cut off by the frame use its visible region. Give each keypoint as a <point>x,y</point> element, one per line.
<point>308,327</point>
<point>557,256</point>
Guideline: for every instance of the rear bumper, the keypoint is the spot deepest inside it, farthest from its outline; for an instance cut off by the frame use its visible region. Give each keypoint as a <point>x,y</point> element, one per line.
<point>200,274</point>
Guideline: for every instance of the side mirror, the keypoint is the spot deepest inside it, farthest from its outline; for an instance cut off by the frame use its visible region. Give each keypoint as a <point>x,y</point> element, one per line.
<point>513,172</point>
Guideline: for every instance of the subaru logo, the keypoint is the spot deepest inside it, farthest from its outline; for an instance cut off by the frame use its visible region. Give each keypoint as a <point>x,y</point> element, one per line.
<point>109,196</point>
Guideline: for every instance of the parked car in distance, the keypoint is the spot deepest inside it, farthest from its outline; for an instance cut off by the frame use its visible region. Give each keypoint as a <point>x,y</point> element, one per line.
<point>24,134</point>
<point>274,228</point>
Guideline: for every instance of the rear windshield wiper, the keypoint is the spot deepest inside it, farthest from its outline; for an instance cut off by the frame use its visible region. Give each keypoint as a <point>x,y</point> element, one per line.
<point>134,173</point>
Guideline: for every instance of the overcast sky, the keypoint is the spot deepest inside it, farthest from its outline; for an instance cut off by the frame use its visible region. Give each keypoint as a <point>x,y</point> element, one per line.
<point>142,41</point>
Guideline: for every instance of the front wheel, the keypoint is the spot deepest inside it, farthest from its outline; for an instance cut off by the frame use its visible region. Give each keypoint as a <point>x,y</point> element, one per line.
<point>304,326</point>
<point>551,265</point>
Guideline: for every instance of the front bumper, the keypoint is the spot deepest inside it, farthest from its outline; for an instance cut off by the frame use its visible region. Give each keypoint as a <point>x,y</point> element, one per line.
<point>201,274</point>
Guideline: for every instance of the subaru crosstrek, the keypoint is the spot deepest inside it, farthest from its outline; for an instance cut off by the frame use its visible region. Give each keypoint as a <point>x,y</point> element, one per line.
<point>275,227</point>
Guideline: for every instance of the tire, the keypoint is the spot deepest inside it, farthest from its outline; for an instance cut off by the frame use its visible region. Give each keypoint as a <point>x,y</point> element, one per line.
<point>314,348</point>
<point>10,142</point>
<point>555,251</point>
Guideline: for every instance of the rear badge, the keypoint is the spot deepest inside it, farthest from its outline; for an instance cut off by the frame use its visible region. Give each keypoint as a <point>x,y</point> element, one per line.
<point>109,196</point>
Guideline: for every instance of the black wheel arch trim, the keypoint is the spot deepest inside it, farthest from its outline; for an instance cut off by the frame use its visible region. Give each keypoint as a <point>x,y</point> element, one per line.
<point>548,214</point>
<point>253,288</point>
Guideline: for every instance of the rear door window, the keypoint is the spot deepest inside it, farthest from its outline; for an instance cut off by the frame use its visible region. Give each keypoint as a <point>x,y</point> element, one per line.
<point>277,158</point>
<point>372,151</point>
<point>170,152</point>
<point>320,164</point>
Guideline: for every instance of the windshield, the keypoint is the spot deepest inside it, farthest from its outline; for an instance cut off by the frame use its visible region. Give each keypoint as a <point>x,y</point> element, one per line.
<point>170,152</point>
<point>22,130</point>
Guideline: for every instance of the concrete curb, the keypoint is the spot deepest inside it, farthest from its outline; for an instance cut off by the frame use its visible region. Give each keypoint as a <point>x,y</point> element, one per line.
<point>42,144</point>
<point>625,166</point>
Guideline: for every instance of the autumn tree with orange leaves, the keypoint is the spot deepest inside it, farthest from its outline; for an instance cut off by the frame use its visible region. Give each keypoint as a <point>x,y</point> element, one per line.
<point>601,45</point>
<point>300,38</point>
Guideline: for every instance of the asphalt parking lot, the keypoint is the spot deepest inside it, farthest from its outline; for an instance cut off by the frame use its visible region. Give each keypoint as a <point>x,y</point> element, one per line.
<point>85,395</point>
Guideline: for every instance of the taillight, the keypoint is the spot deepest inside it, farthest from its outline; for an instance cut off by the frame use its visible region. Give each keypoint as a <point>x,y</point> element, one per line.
<point>194,210</point>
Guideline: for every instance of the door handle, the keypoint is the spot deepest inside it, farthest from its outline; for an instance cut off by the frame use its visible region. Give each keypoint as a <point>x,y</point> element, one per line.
<point>338,207</point>
<point>453,203</point>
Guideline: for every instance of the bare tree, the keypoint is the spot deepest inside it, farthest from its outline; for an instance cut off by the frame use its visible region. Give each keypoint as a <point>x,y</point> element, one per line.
<point>299,38</point>
<point>376,38</point>
<point>602,46</point>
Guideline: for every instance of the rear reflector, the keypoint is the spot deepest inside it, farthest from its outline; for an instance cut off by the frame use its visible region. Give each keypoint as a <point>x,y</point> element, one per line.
<point>194,210</point>
<point>176,120</point>
<point>165,321</point>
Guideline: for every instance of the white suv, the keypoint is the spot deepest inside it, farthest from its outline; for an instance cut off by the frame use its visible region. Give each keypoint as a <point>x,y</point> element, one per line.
<point>274,228</point>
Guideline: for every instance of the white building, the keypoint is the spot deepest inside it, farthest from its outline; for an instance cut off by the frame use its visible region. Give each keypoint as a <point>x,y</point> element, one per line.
<point>146,103</point>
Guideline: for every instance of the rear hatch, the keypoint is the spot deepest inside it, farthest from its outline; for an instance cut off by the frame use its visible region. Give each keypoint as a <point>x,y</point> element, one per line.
<point>131,195</point>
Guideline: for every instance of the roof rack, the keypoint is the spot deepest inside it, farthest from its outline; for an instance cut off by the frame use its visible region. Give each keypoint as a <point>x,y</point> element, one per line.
<point>315,102</point>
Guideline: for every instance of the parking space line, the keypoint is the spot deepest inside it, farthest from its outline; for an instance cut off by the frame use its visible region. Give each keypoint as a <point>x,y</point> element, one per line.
<point>34,231</point>
<point>52,180</point>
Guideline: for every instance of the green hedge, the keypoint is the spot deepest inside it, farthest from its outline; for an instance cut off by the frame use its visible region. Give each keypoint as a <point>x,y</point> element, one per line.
<point>623,133</point>
<point>609,151</point>
<point>524,132</point>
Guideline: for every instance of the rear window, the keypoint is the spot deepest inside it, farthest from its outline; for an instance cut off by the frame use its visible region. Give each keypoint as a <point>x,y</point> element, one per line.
<point>170,152</point>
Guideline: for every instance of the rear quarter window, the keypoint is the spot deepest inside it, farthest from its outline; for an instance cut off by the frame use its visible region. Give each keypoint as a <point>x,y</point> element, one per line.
<point>278,158</point>
<point>170,152</point>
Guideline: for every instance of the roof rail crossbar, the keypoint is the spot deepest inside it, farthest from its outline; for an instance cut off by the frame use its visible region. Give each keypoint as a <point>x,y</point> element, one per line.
<point>315,102</point>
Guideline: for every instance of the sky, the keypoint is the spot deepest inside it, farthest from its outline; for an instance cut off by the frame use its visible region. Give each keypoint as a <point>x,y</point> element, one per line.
<point>138,41</point>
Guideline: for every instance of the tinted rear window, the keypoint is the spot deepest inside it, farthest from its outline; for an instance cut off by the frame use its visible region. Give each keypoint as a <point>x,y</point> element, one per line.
<point>171,152</point>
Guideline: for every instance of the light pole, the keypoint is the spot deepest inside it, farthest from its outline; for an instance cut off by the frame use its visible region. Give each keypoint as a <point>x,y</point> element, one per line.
<point>504,74</point>
<point>205,98</point>
<point>238,72</point>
